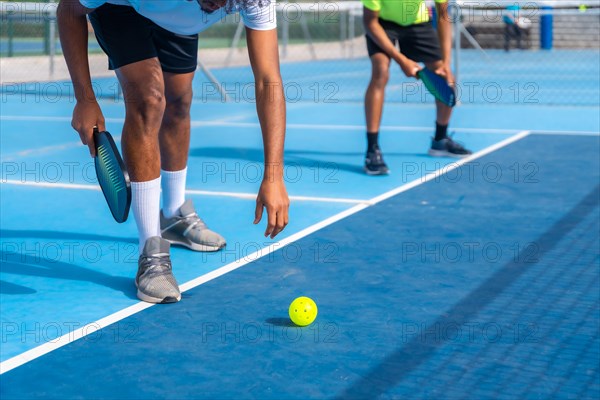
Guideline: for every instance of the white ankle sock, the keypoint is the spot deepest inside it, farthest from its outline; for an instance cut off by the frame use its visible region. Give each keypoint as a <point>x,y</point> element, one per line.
<point>173,191</point>
<point>145,204</point>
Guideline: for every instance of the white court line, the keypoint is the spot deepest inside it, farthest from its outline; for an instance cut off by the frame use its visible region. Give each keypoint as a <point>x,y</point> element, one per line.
<point>567,133</point>
<point>51,185</point>
<point>67,338</point>
<point>450,167</point>
<point>224,123</point>
<point>198,123</point>
<point>252,196</point>
<point>45,348</point>
<point>336,127</point>
<point>401,128</point>
<point>47,118</point>
<point>248,196</point>
<point>42,150</point>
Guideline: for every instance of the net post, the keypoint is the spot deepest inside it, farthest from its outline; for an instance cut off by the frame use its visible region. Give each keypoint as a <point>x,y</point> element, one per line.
<point>546,22</point>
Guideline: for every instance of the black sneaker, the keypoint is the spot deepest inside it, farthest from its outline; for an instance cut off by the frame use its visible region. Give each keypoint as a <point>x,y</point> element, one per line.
<point>448,148</point>
<point>374,164</point>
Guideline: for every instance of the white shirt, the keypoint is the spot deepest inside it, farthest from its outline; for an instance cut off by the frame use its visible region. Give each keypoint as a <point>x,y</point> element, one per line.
<point>185,17</point>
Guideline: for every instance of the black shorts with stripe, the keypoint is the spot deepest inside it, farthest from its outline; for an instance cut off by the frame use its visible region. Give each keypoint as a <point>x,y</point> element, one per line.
<point>419,42</point>
<point>128,37</point>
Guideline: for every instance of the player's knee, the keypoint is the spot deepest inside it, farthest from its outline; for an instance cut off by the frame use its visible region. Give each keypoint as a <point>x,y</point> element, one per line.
<point>153,100</point>
<point>148,105</point>
<point>380,76</point>
<point>179,106</point>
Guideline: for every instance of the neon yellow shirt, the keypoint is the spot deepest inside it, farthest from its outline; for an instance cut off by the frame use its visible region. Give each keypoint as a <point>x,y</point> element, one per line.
<point>402,12</point>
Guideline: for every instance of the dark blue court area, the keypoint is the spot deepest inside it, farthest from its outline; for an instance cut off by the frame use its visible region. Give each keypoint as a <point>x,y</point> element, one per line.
<point>448,279</point>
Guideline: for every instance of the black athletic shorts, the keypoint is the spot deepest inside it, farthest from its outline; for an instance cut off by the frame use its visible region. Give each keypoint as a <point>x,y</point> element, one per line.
<point>418,42</point>
<point>128,37</point>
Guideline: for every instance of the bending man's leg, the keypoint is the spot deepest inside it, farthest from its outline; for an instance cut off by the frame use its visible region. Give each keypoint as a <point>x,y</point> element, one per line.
<point>174,138</point>
<point>179,222</point>
<point>143,90</point>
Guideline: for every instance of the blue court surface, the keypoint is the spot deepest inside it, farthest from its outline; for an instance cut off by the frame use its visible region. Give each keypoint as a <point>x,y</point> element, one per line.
<point>473,278</point>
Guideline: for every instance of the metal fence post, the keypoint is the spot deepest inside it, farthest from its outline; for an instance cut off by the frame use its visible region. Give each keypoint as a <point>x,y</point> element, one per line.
<point>52,44</point>
<point>11,34</point>
<point>457,32</point>
<point>285,30</point>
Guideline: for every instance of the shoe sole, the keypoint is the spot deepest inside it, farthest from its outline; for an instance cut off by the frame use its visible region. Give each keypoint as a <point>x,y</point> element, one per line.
<point>444,153</point>
<point>149,299</point>
<point>196,247</point>
<point>375,173</point>
<point>156,300</point>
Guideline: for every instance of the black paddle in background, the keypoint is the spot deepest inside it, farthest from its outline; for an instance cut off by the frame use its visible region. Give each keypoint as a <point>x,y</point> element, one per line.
<point>112,175</point>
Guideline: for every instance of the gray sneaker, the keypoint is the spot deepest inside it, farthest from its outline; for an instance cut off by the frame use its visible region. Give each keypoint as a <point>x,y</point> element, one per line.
<point>154,279</point>
<point>187,229</point>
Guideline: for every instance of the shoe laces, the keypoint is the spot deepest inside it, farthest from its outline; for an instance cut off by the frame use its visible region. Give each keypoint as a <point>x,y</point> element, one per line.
<point>194,221</point>
<point>154,261</point>
<point>453,144</point>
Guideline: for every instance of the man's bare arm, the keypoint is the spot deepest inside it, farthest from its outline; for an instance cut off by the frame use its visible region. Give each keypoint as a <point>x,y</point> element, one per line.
<point>270,104</point>
<point>73,31</point>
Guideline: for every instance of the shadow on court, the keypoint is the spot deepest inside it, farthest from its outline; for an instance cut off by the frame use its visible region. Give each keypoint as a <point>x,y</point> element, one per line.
<point>283,322</point>
<point>11,288</point>
<point>20,259</point>
<point>90,237</point>
<point>19,263</point>
<point>296,158</point>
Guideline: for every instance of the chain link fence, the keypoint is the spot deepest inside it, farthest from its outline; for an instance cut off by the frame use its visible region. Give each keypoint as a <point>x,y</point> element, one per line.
<point>324,58</point>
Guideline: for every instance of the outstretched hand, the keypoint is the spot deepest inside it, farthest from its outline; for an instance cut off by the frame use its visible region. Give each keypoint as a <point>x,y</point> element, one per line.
<point>273,196</point>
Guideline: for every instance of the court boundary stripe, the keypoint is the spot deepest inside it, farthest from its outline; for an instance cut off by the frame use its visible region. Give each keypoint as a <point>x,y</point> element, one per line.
<point>92,327</point>
<point>224,123</point>
<point>238,195</point>
<point>399,128</point>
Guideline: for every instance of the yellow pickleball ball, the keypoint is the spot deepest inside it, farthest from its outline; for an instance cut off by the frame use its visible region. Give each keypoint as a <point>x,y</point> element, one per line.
<point>303,311</point>
<point>582,8</point>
